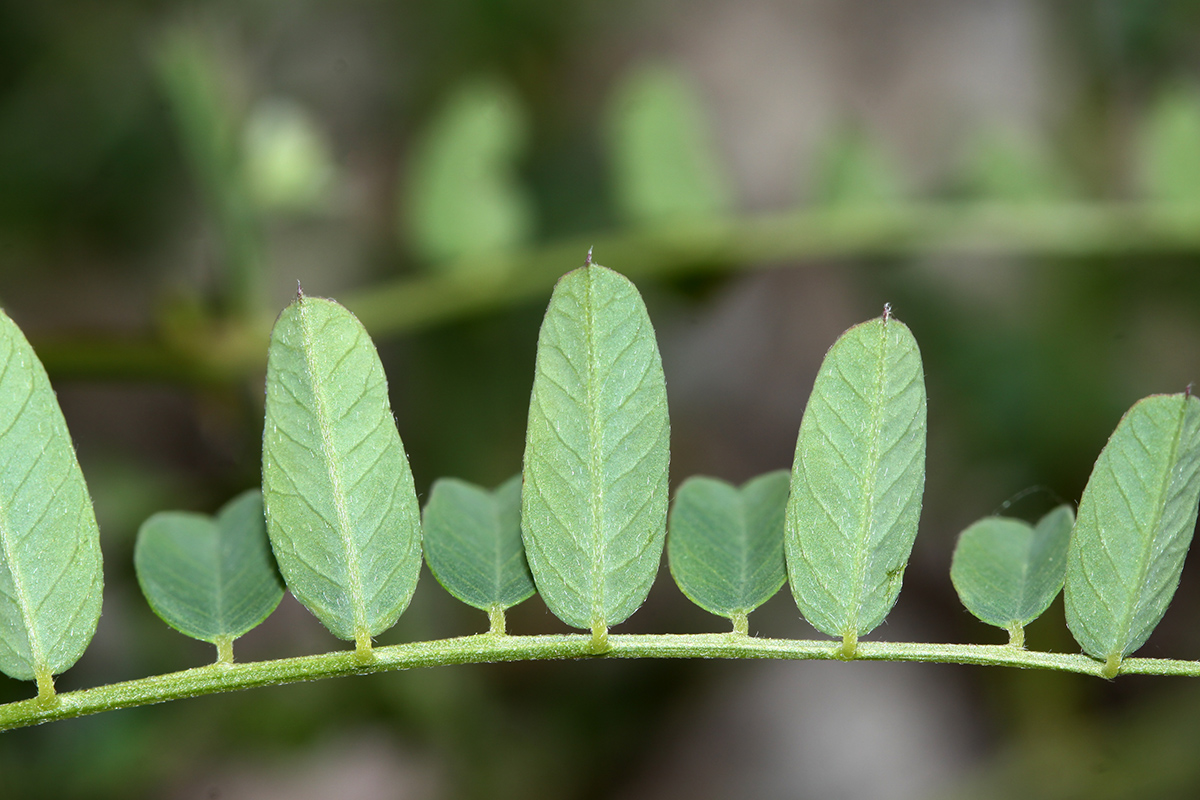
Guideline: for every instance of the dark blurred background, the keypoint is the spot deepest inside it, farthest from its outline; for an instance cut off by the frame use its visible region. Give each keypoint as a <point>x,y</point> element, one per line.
<point>1020,180</point>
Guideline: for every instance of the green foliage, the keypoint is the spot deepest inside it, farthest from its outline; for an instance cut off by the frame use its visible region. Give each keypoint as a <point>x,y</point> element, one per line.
<point>664,163</point>
<point>1136,519</point>
<point>725,544</point>
<point>1006,169</point>
<point>50,571</point>
<point>589,512</point>
<point>473,543</point>
<point>1007,572</point>
<point>852,171</point>
<point>1170,147</point>
<point>462,195</point>
<point>594,506</point>
<point>212,579</point>
<point>341,509</point>
<point>288,165</point>
<point>857,480</point>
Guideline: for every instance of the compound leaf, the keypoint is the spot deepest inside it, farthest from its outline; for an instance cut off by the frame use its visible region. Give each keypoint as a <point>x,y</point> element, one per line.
<point>1007,572</point>
<point>473,543</point>
<point>857,480</point>
<point>725,544</point>
<point>212,579</point>
<point>1136,519</point>
<point>342,513</point>
<point>50,570</point>
<point>594,506</point>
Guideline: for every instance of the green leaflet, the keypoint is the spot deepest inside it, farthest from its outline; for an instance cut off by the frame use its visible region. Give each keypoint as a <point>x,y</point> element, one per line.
<point>1007,572</point>
<point>1136,519</point>
<point>725,544</point>
<point>1169,157</point>
<point>342,513</point>
<point>664,163</point>
<point>211,579</point>
<point>852,172</point>
<point>473,543</point>
<point>594,505</point>
<point>1002,167</point>
<point>50,571</point>
<point>857,480</point>
<point>464,197</point>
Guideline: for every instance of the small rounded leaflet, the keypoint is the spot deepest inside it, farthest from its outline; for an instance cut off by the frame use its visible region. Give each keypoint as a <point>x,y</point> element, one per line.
<point>725,543</point>
<point>1136,520</point>
<point>473,543</point>
<point>210,578</point>
<point>1007,572</point>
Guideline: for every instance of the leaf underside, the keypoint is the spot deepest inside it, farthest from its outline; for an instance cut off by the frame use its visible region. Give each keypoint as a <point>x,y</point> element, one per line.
<point>857,479</point>
<point>473,543</point>
<point>725,544</point>
<point>1136,519</point>
<point>207,578</point>
<point>50,566</point>
<point>1006,571</point>
<point>594,504</point>
<point>342,513</point>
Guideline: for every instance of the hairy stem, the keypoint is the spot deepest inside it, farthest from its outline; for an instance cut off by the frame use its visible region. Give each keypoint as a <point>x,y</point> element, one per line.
<point>489,648</point>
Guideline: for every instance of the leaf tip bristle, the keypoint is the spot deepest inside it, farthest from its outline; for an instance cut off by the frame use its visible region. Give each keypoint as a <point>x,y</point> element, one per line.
<point>887,312</point>
<point>1187,391</point>
<point>299,291</point>
<point>587,262</point>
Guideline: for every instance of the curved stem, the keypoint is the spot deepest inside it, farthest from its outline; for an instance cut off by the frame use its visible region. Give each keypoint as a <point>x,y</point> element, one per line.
<point>488,648</point>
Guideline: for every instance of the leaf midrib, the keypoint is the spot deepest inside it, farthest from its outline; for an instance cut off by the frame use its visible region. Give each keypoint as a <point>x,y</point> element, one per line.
<point>596,495</point>
<point>1144,559</point>
<point>36,653</point>
<point>355,588</point>
<point>867,508</point>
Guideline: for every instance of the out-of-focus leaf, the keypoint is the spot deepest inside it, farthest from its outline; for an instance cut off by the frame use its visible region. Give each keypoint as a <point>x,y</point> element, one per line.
<point>473,543</point>
<point>50,570</point>
<point>664,163</point>
<point>594,506</point>
<point>1005,169</point>
<point>288,165</point>
<point>851,170</point>
<point>857,480</point>
<point>1007,572</point>
<point>1136,519</point>
<point>725,544</point>
<point>462,193</point>
<point>342,513</point>
<point>1170,147</point>
<point>211,579</point>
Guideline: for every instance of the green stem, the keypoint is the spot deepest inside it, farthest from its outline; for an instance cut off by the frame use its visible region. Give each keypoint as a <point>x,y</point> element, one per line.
<point>727,244</point>
<point>224,649</point>
<point>486,648</point>
<point>496,622</point>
